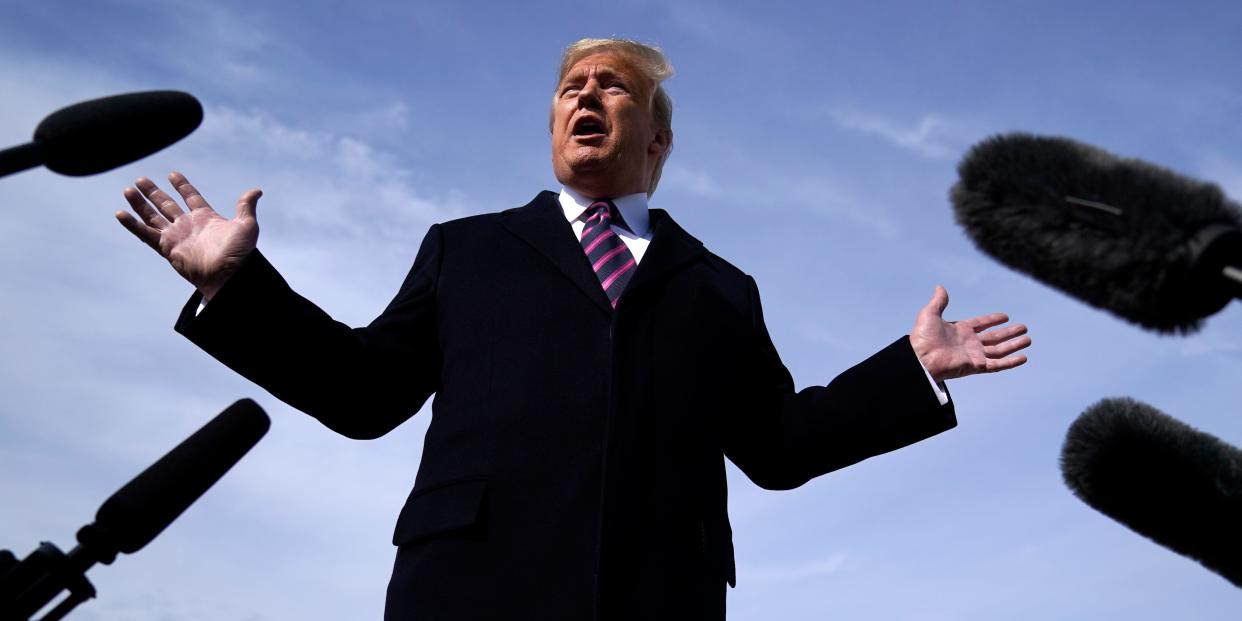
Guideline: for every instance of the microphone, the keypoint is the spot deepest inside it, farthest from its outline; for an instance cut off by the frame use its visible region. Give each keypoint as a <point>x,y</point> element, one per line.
<point>1161,478</point>
<point>98,135</point>
<point>131,517</point>
<point>144,507</point>
<point>1153,247</point>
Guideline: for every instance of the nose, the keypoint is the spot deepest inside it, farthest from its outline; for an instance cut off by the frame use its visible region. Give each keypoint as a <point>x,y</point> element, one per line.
<point>588,96</point>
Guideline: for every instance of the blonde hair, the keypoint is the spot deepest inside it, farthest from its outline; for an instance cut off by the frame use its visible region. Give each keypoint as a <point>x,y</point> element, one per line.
<point>650,62</point>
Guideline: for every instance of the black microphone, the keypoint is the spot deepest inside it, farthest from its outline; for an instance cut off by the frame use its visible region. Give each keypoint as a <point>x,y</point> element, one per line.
<point>98,135</point>
<point>1156,248</point>
<point>136,513</point>
<point>132,517</point>
<point>1163,479</point>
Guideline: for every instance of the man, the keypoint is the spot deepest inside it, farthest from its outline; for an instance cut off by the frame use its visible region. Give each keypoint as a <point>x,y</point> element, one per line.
<point>592,364</point>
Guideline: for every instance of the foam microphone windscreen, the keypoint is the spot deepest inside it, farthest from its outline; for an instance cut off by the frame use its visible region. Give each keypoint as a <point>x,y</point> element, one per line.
<point>1163,479</point>
<point>140,510</point>
<point>1121,234</point>
<point>101,134</point>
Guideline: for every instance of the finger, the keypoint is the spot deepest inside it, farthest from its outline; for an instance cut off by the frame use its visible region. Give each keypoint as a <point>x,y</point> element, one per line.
<point>1000,335</point>
<point>188,192</point>
<point>938,302</point>
<point>149,235</point>
<point>249,203</point>
<point>1008,347</point>
<point>983,322</point>
<point>1005,363</point>
<point>163,202</point>
<point>143,208</point>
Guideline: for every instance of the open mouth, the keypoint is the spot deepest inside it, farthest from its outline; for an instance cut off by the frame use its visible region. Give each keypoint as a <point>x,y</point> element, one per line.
<point>588,128</point>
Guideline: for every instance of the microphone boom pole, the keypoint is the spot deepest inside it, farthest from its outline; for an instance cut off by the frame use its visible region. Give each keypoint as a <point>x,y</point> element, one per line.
<point>131,517</point>
<point>21,157</point>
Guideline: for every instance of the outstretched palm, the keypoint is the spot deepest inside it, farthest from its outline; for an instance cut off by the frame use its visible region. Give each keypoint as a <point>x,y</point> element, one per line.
<point>204,247</point>
<point>956,349</point>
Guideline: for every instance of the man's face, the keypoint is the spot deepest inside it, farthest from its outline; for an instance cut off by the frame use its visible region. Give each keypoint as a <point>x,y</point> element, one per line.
<point>604,141</point>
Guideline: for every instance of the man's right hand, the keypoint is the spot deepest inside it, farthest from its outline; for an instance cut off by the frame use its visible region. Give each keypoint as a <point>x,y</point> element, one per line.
<point>204,247</point>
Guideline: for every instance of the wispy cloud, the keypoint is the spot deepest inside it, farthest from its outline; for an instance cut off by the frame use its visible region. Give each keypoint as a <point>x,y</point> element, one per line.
<point>228,47</point>
<point>821,336</point>
<point>390,117</point>
<point>931,136</point>
<point>692,180</point>
<point>714,24</point>
<point>353,153</point>
<point>337,184</point>
<point>89,310</point>
<point>1199,347</point>
<point>754,181</point>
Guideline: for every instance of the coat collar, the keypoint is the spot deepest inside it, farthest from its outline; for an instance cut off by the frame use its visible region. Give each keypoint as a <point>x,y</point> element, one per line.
<point>542,225</point>
<point>671,249</point>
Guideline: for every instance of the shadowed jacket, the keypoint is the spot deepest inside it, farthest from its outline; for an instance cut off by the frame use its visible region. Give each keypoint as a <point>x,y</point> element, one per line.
<point>574,464</point>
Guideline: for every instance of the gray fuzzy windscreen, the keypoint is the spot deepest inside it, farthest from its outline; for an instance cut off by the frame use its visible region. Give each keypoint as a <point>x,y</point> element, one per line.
<point>1179,487</point>
<point>1110,231</point>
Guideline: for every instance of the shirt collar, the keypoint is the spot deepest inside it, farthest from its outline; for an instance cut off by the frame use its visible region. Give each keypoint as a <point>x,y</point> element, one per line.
<point>633,209</point>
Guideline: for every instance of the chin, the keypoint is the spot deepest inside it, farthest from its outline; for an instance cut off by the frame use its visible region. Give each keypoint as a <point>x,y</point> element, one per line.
<point>583,165</point>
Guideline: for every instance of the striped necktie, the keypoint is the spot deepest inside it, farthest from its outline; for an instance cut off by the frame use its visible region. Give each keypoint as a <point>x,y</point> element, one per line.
<point>609,257</point>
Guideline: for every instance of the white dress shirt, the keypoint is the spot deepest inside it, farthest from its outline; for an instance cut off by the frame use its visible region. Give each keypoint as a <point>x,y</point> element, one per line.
<point>634,230</point>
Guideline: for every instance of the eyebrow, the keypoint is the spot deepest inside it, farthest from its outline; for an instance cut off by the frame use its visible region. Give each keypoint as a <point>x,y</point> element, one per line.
<point>603,72</point>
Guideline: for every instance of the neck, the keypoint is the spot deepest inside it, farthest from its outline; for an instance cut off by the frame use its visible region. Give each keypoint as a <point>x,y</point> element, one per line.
<point>602,189</point>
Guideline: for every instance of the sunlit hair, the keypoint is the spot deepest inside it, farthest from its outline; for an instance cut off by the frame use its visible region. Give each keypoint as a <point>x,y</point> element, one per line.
<point>650,62</point>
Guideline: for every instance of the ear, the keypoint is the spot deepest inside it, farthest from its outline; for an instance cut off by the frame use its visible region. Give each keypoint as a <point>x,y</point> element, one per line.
<point>661,142</point>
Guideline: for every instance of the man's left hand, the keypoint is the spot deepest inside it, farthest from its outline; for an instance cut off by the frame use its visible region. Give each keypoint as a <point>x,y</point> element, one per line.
<point>951,349</point>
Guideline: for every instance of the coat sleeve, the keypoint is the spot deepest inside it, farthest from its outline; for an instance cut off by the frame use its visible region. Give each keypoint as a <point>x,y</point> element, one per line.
<point>781,438</point>
<point>360,382</point>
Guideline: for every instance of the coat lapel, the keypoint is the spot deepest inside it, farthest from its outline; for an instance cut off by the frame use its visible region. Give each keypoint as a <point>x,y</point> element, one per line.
<point>542,225</point>
<point>671,249</point>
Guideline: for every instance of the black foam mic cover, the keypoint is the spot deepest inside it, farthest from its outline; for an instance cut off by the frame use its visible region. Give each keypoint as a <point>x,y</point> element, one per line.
<point>140,510</point>
<point>1163,479</point>
<point>101,134</point>
<point>1123,235</point>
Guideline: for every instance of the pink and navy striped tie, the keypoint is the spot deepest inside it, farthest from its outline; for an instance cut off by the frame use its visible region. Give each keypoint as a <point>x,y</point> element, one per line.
<point>609,256</point>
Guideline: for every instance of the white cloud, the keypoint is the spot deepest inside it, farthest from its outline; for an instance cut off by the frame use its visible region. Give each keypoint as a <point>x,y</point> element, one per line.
<point>1199,347</point>
<point>391,117</point>
<point>821,336</point>
<point>692,180</point>
<point>338,183</point>
<point>714,24</point>
<point>751,181</point>
<point>257,130</point>
<point>97,384</point>
<point>226,47</point>
<point>843,201</point>
<point>932,136</point>
<point>36,87</point>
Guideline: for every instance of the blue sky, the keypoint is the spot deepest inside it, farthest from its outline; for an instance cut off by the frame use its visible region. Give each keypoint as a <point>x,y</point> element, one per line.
<point>815,144</point>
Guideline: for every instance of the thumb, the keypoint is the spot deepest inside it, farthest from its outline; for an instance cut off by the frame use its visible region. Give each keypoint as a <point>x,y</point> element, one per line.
<point>248,203</point>
<point>939,301</point>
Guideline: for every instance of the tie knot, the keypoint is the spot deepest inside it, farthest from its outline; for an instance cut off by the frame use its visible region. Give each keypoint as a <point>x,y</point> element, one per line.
<point>601,207</point>
<point>603,212</point>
